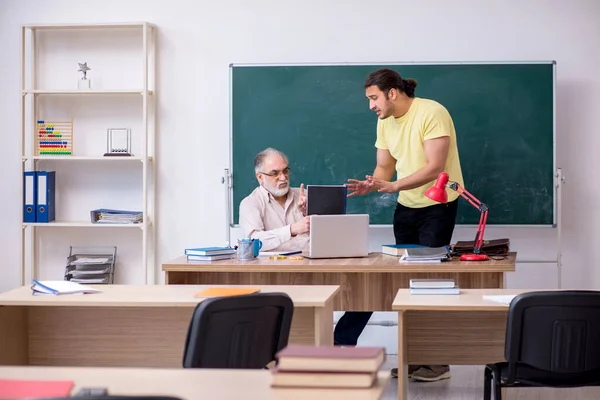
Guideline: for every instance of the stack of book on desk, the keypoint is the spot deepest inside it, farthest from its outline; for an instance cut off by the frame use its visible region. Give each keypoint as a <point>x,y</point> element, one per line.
<point>433,286</point>
<point>207,254</point>
<point>425,255</point>
<point>327,366</point>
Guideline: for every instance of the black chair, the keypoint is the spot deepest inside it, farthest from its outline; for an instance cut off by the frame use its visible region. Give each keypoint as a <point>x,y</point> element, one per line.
<point>552,340</point>
<point>243,331</point>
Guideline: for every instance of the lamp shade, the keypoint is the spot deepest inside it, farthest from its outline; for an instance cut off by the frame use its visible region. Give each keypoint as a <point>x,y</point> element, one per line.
<point>438,191</point>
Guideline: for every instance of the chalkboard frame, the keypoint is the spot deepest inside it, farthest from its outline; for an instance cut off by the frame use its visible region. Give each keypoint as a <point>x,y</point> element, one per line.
<point>228,181</point>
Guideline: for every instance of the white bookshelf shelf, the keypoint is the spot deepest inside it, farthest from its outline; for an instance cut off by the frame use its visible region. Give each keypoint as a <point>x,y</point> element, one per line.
<point>88,92</point>
<point>121,25</point>
<point>81,224</point>
<point>84,158</point>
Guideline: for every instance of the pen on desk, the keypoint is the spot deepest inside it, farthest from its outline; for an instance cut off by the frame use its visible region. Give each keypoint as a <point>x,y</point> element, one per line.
<point>289,253</point>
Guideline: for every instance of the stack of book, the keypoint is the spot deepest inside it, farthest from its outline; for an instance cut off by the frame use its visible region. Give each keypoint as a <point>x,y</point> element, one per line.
<point>327,366</point>
<point>433,286</point>
<point>207,254</point>
<point>425,254</point>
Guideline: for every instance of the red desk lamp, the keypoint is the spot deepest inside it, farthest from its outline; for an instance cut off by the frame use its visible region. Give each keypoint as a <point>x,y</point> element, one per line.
<point>438,193</point>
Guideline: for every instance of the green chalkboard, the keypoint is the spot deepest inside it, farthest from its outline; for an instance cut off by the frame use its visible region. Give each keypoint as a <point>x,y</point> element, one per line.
<point>318,115</point>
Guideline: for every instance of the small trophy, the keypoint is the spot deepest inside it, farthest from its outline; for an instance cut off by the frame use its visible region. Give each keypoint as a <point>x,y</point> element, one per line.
<point>84,83</point>
<point>118,142</point>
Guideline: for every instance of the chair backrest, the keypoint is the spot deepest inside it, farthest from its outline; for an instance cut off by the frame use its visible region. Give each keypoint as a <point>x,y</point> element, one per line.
<point>243,331</point>
<point>554,331</point>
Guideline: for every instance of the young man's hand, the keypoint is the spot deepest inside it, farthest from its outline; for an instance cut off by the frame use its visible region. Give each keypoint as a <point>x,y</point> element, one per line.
<point>357,187</point>
<point>383,186</point>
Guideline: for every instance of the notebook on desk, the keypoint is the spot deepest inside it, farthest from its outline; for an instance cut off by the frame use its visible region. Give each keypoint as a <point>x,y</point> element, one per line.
<point>337,236</point>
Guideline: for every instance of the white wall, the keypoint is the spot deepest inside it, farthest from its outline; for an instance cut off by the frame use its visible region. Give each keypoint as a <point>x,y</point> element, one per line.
<point>198,40</point>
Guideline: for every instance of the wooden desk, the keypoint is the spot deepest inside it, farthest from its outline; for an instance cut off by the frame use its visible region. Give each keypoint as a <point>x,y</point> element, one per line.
<point>189,384</point>
<point>130,326</point>
<point>463,329</point>
<point>367,284</point>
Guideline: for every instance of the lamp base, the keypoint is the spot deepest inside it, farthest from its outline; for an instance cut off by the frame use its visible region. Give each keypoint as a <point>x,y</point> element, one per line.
<point>474,257</point>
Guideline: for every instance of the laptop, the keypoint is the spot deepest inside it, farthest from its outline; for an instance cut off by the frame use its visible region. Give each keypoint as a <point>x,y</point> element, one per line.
<point>337,236</point>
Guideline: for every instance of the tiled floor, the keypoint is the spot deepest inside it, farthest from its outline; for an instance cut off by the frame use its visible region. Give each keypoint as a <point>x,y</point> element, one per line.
<point>466,383</point>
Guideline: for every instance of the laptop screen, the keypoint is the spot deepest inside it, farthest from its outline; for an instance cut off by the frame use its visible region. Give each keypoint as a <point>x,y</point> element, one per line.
<point>326,199</point>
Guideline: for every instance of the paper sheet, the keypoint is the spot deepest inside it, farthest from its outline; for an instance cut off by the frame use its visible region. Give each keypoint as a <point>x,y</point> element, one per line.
<point>504,299</point>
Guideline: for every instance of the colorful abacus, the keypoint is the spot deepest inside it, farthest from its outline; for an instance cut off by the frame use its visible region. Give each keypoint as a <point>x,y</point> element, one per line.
<point>55,138</point>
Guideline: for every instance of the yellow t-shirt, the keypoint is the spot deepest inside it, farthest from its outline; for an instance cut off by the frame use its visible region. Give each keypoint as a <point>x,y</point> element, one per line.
<point>404,137</point>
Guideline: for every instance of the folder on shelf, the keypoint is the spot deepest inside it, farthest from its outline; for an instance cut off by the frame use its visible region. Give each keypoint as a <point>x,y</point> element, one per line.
<point>45,196</point>
<point>29,196</point>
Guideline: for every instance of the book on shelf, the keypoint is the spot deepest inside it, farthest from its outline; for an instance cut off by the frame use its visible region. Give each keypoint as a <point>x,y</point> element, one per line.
<point>397,249</point>
<point>60,288</point>
<point>435,291</point>
<point>209,251</point>
<point>330,358</point>
<point>432,283</point>
<point>209,258</point>
<point>324,379</point>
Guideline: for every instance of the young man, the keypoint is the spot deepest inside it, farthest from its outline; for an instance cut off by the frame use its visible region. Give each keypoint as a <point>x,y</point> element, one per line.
<point>274,212</point>
<point>416,140</point>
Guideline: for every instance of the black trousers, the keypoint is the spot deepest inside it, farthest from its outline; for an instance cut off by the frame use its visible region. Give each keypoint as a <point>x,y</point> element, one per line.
<point>429,226</point>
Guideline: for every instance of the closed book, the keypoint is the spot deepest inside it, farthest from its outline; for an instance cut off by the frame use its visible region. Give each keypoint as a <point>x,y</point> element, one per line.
<point>330,358</point>
<point>20,389</point>
<point>225,291</point>
<point>426,253</point>
<point>397,249</point>
<point>209,251</point>
<point>209,258</point>
<point>323,379</point>
<point>435,291</point>
<point>432,283</point>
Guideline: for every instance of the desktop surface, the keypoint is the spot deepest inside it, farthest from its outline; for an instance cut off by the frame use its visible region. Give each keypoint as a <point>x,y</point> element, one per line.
<point>159,295</point>
<point>188,383</point>
<point>374,262</point>
<point>468,299</point>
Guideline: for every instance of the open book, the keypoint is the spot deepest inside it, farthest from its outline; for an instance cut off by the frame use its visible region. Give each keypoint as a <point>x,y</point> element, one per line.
<point>60,287</point>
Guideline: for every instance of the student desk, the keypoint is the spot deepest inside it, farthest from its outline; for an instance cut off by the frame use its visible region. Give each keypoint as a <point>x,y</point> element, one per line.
<point>222,384</point>
<point>130,326</point>
<point>366,284</point>
<point>463,329</point>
